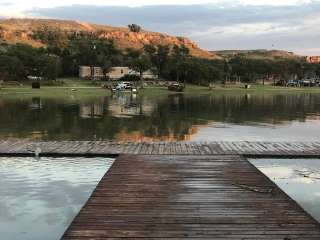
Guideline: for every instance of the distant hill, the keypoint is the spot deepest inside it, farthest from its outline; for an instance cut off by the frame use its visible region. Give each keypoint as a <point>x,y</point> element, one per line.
<point>257,54</point>
<point>21,30</point>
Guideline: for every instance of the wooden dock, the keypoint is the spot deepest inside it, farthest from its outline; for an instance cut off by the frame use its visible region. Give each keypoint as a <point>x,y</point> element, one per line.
<point>183,190</point>
<point>96,148</point>
<point>189,197</point>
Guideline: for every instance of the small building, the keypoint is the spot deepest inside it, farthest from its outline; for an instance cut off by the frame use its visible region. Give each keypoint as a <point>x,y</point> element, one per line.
<point>313,59</point>
<point>149,75</point>
<point>118,72</point>
<point>85,72</point>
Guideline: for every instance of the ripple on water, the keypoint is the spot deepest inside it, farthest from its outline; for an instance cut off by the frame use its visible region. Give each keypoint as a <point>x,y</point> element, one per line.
<point>299,178</point>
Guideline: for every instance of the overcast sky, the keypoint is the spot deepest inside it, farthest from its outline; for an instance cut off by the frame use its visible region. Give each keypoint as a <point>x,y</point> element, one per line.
<point>214,24</point>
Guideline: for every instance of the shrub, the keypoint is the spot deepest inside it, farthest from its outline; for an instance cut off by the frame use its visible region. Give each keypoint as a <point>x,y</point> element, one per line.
<point>36,85</point>
<point>130,78</point>
<point>53,83</point>
<point>134,28</point>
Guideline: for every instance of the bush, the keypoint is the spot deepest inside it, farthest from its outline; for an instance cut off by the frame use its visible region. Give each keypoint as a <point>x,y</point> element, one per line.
<point>130,78</point>
<point>134,28</point>
<point>36,85</point>
<point>53,83</point>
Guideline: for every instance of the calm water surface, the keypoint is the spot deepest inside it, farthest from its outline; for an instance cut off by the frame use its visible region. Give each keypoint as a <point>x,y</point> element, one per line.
<point>165,118</point>
<point>40,197</point>
<point>45,194</point>
<point>299,178</point>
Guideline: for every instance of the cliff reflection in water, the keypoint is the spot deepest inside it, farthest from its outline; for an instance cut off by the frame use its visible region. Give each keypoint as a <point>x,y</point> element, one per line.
<point>166,118</point>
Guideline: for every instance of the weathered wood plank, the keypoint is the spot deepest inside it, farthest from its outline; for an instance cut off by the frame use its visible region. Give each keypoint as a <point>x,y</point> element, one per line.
<point>162,148</point>
<point>189,197</point>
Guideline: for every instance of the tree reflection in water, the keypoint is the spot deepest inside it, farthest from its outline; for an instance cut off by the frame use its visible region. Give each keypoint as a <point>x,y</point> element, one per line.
<point>139,118</point>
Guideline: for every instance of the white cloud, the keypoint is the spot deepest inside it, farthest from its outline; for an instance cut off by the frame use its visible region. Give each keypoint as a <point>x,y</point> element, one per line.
<point>16,7</point>
<point>214,24</point>
<point>274,2</point>
<point>250,29</point>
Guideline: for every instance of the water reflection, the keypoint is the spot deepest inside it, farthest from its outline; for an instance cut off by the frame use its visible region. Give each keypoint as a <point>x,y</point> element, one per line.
<point>36,103</point>
<point>166,118</point>
<point>287,131</point>
<point>299,178</point>
<point>39,198</point>
<point>91,111</point>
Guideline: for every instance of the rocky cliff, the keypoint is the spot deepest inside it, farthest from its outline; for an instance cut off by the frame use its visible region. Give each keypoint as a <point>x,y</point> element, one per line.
<point>21,31</point>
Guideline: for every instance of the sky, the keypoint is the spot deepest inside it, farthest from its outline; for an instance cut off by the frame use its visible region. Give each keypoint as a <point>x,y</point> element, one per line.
<point>291,25</point>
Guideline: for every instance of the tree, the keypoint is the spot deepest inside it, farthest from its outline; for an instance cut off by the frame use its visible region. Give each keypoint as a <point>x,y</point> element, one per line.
<point>92,51</point>
<point>35,61</point>
<point>140,65</point>
<point>134,28</point>
<point>317,69</point>
<point>11,68</point>
<point>105,64</point>
<point>159,56</point>
<point>48,67</point>
<point>180,56</point>
<point>227,71</point>
<point>132,53</point>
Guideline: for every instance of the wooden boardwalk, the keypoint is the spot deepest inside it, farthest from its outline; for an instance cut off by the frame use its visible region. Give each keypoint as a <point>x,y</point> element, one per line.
<point>189,197</point>
<point>162,148</point>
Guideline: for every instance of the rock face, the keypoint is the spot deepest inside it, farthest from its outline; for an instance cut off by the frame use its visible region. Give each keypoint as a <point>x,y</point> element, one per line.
<point>21,31</point>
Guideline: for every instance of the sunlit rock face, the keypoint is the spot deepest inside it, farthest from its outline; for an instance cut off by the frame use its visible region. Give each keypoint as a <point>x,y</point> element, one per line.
<point>22,30</point>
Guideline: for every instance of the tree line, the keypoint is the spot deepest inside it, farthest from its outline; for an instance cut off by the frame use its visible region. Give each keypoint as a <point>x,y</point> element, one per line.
<point>65,52</point>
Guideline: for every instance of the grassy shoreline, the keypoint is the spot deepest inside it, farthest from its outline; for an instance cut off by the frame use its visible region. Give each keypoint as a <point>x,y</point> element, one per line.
<point>53,92</point>
<point>85,89</point>
<point>234,89</point>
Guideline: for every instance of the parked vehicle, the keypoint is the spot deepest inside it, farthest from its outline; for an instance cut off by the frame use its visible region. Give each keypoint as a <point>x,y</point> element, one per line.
<point>176,87</point>
<point>293,83</point>
<point>306,83</point>
<point>124,87</point>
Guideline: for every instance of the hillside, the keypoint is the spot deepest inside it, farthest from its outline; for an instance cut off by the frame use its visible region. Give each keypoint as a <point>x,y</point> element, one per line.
<point>21,31</point>
<point>256,54</point>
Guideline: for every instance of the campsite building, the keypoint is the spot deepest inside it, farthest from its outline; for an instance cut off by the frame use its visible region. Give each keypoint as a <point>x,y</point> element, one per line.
<point>115,73</point>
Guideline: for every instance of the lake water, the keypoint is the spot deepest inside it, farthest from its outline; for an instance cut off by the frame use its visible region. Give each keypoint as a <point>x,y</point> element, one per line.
<point>175,117</point>
<point>299,178</point>
<point>40,197</point>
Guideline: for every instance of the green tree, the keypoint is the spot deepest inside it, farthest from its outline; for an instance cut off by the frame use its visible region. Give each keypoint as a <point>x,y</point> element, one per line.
<point>317,69</point>
<point>159,57</point>
<point>48,67</point>
<point>180,57</point>
<point>11,68</point>
<point>93,52</point>
<point>140,65</point>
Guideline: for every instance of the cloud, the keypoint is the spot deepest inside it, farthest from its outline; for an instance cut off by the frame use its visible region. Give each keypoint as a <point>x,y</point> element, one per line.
<point>6,4</point>
<point>227,24</point>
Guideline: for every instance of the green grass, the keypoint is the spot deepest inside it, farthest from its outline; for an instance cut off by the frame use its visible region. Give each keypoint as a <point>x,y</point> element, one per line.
<point>87,89</point>
<point>231,89</point>
<point>72,88</point>
<point>53,92</point>
<point>76,83</point>
<point>255,88</point>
